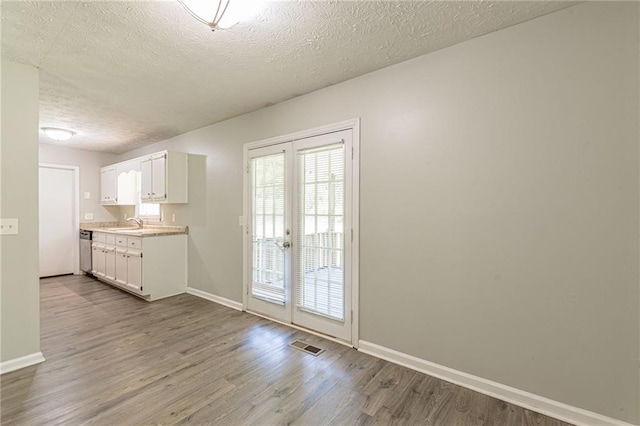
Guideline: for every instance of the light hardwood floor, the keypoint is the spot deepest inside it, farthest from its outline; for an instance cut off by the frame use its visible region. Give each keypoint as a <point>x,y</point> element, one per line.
<point>113,359</point>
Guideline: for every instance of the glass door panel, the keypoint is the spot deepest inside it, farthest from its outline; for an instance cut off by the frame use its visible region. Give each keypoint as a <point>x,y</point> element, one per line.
<point>269,270</point>
<point>268,227</point>
<point>320,231</point>
<point>322,273</point>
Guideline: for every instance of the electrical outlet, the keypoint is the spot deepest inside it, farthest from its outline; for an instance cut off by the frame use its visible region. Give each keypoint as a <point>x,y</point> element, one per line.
<point>124,216</point>
<point>88,216</point>
<point>8,226</point>
<point>173,217</point>
<point>240,221</point>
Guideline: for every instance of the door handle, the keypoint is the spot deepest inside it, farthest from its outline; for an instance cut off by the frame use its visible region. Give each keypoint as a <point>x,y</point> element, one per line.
<point>284,245</point>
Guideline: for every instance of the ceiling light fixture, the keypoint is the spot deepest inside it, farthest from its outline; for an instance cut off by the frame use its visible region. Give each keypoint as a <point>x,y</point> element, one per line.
<point>221,14</point>
<point>58,134</point>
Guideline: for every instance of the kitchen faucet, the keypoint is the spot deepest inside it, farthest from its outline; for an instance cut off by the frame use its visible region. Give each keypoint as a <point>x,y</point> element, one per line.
<point>137,220</point>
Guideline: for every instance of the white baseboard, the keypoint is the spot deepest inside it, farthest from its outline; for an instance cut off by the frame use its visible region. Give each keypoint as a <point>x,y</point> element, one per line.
<point>306,330</point>
<point>212,297</point>
<point>22,362</point>
<point>506,393</point>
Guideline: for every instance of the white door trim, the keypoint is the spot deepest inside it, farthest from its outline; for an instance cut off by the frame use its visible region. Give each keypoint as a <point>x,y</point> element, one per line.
<point>354,126</point>
<point>76,208</point>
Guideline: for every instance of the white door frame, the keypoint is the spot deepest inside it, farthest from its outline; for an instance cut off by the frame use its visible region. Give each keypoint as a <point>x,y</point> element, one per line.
<point>76,208</point>
<point>354,126</point>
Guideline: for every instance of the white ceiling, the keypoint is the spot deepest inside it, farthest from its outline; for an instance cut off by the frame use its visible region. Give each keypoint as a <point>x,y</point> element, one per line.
<point>123,74</point>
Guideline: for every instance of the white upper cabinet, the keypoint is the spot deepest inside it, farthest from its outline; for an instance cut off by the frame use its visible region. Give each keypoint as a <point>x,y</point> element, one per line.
<point>108,193</point>
<point>164,178</point>
<point>161,177</point>
<point>127,181</point>
<point>146,179</point>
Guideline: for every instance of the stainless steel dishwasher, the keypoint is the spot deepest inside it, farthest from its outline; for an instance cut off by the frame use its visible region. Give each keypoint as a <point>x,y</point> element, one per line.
<point>85,251</point>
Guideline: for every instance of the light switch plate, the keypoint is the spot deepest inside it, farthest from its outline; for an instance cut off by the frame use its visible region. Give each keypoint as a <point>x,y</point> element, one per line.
<point>240,221</point>
<point>88,216</point>
<point>87,195</point>
<point>8,226</point>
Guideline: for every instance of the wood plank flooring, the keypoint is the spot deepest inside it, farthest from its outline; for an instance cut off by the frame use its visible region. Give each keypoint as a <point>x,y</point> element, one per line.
<point>113,359</point>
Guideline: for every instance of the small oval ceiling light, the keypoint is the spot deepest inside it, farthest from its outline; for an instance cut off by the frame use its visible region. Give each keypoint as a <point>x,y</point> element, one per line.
<point>58,134</point>
<point>222,14</point>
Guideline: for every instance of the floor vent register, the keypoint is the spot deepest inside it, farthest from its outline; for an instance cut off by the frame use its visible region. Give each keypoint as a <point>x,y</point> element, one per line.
<point>305,347</point>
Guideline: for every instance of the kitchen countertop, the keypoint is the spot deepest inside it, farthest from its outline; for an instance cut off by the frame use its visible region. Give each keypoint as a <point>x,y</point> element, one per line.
<point>125,229</point>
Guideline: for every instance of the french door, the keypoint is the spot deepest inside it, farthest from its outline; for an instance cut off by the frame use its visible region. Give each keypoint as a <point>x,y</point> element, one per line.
<point>299,234</point>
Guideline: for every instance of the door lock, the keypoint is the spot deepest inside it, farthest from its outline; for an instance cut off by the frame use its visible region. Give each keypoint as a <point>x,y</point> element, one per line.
<point>284,245</point>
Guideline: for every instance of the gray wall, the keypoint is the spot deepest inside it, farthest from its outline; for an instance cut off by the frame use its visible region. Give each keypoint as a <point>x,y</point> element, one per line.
<point>499,204</point>
<point>20,304</point>
<point>89,163</point>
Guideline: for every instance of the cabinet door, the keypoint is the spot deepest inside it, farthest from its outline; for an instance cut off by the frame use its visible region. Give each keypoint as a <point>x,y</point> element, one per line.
<point>134,271</point>
<point>99,260</point>
<point>108,186</point>
<point>159,185</point>
<point>126,177</point>
<point>146,179</point>
<point>94,259</point>
<point>121,267</point>
<point>110,263</point>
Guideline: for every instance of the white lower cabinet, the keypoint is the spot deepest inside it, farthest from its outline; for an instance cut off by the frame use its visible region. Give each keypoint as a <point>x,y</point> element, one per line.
<point>98,259</point>
<point>134,271</point>
<point>152,267</point>
<point>110,263</point>
<point>98,255</point>
<point>121,266</point>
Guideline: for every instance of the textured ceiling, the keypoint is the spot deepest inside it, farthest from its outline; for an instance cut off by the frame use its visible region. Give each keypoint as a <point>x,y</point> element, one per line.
<point>123,74</point>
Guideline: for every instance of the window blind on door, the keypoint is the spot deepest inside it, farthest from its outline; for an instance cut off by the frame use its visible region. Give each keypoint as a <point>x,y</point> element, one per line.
<point>268,205</point>
<point>320,231</point>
